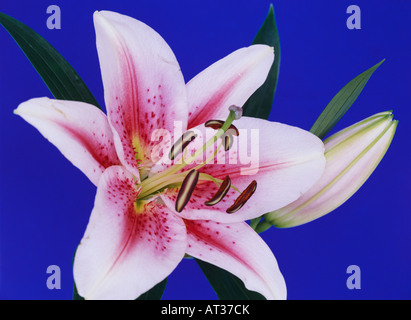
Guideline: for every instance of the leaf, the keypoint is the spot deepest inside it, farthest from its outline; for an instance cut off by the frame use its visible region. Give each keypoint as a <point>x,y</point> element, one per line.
<point>59,76</point>
<point>260,103</point>
<point>76,296</point>
<point>226,285</point>
<point>154,293</point>
<point>340,104</point>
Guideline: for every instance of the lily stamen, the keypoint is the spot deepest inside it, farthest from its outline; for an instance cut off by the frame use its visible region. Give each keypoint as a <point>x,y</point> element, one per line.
<point>181,144</point>
<point>217,124</point>
<point>228,141</point>
<point>243,198</point>
<point>186,190</point>
<point>174,176</point>
<point>221,131</point>
<point>221,192</point>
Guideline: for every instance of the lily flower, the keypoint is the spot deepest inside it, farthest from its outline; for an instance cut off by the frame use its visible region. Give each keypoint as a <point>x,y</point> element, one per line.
<point>352,155</point>
<point>149,212</point>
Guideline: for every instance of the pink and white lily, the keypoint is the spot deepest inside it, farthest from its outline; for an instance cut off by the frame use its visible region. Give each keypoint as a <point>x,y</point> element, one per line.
<point>137,234</point>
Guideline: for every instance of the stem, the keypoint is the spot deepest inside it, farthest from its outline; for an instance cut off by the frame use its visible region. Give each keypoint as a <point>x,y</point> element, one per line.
<point>254,222</point>
<point>262,226</point>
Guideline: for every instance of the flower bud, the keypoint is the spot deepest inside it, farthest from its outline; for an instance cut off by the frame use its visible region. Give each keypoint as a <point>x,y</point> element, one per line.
<point>351,156</point>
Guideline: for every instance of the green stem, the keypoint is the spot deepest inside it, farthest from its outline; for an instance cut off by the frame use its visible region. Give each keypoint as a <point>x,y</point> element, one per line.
<point>254,222</point>
<point>262,226</point>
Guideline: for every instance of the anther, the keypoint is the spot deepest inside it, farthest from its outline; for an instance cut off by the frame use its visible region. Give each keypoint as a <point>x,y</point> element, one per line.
<point>186,190</point>
<point>221,192</point>
<point>217,124</point>
<point>243,198</point>
<point>181,144</point>
<point>228,141</point>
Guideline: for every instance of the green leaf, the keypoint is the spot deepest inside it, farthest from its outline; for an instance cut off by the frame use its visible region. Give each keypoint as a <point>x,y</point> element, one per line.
<point>340,104</point>
<point>76,296</point>
<point>155,293</point>
<point>260,103</point>
<point>62,80</point>
<point>226,285</point>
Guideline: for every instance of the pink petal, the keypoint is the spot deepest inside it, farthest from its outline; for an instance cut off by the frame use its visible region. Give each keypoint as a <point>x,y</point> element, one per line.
<point>240,250</point>
<point>231,80</point>
<point>125,251</point>
<point>284,160</point>
<point>79,130</point>
<point>144,89</point>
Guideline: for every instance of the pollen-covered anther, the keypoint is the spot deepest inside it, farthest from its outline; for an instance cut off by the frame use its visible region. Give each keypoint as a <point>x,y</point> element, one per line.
<point>243,198</point>
<point>186,190</point>
<point>181,144</point>
<point>217,124</point>
<point>221,192</point>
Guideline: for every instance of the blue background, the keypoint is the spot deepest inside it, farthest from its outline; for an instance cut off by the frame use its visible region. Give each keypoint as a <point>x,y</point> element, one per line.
<point>45,202</point>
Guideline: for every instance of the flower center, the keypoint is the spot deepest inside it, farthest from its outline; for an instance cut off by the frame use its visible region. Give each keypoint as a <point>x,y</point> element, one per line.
<point>186,181</point>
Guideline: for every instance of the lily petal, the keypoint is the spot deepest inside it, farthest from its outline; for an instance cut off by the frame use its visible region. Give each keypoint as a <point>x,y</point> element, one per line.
<point>126,250</point>
<point>238,249</point>
<point>229,81</point>
<point>79,130</point>
<point>144,88</point>
<point>284,160</point>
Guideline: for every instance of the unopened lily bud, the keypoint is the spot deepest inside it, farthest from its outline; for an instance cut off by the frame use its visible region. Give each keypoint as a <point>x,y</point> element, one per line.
<point>351,156</point>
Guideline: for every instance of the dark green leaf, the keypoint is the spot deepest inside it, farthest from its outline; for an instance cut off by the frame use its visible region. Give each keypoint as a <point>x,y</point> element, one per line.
<point>62,80</point>
<point>340,104</point>
<point>154,293</point>
<point>226,285</point>
<point>260,103</point>
<point>76,296</point>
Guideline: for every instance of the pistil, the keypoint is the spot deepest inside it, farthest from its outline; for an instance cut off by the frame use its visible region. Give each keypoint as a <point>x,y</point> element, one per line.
<point>174,176</point>
<point>180,166</point>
